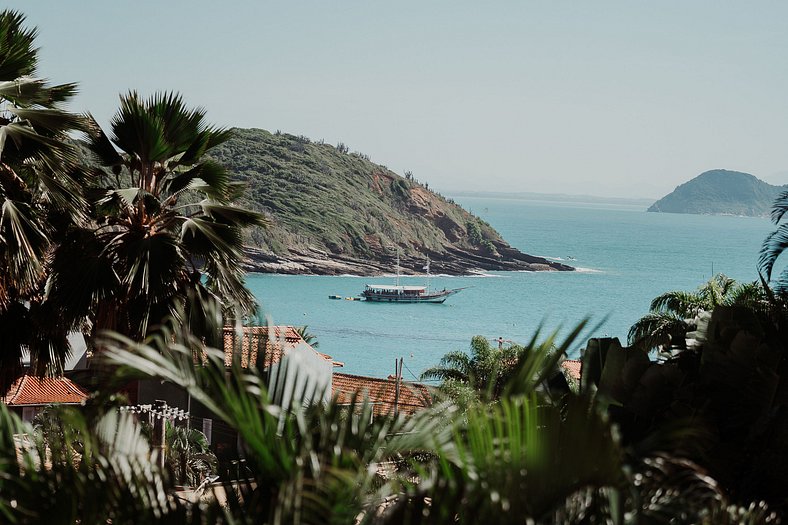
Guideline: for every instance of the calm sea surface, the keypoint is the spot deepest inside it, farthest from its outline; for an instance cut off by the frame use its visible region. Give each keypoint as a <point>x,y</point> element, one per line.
<point>625,255</point>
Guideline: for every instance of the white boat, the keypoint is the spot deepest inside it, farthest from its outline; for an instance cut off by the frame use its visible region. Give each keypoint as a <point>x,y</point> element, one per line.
<point>387,293</point>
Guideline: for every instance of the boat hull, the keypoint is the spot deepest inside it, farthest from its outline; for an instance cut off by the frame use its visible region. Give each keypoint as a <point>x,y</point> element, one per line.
<point>438,297</point>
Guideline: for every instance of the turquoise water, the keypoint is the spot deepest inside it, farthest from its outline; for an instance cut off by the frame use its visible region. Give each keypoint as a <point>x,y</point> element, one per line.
<point>626,256</point>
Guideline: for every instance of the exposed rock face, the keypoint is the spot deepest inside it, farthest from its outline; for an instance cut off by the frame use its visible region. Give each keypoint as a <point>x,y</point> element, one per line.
<point>333,212</point>
<point>450,263</point>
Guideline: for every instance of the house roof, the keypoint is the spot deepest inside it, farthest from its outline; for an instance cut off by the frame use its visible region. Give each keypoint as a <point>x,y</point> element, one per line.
<point>381,392</point>
<point>573,368</point>
<point>275,341</point>
<point>30,390</point>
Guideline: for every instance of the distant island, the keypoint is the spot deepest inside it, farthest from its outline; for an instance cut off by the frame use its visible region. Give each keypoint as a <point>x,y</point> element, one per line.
<point>332,211</point>
<point>721,192</point>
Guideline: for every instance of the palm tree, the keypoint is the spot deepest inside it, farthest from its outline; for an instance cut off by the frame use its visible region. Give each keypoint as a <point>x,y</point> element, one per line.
<point>188,455</point>
<point>40,198</point>
<point>527,457</point>
<point>775,244</point>
<point>308,337</point>
<point>165,231</point>
<point>480,374</point>
<point>675,313</point>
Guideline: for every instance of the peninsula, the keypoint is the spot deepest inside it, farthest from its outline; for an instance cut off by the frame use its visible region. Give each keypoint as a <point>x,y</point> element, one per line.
<point>331,211</point>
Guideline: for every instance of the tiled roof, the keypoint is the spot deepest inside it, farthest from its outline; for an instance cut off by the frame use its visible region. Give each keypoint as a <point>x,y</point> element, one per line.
<point>30,390</point>
<point>337,364</point>
<point>381,392</point>
<point>573,368</point>
<point>275,340</point>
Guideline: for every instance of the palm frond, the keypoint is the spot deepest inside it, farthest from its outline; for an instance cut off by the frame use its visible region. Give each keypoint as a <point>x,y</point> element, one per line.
<point>25,240</point>
<point>512,462</point>
<point>52,120</point>
<point>208,177</point>
<point>137,131</point>
<point>99,144</point>
<point>657,329</point>
<point>686,304</point>
<point>232,215</point>
<point>18,56</point>
<point>780,207</point>
<point>538,361</point>
<point>773,246</point>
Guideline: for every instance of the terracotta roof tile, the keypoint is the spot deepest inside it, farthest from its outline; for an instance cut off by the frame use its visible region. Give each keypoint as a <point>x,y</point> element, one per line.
<point>381,392</point>
<point>336,364</point>
<point>275,340</point>
<point>573,368</point>
<point>30,390</point>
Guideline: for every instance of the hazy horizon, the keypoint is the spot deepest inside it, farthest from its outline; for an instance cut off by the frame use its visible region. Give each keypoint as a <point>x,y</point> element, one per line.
<point>610,99</point>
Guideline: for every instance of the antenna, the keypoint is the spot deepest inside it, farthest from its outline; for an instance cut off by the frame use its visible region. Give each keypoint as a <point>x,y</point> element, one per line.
<point>398,379</point>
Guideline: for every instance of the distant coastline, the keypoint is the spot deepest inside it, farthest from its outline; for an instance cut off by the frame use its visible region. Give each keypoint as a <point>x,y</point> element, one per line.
<point>555,197</point>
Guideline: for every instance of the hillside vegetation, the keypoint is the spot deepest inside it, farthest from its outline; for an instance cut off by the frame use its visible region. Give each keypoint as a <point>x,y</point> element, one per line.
<point>332,211</point>
<point>721,192</point>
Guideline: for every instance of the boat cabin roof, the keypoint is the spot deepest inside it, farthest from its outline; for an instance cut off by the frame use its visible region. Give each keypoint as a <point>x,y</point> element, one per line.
<point>393,288</point>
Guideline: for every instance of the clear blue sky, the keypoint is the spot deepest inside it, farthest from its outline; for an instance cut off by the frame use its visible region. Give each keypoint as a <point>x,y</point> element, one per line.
<point>619,98</point>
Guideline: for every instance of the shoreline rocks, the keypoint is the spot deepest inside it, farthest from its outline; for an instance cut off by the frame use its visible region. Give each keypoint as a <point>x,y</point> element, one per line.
<point>453,262</point>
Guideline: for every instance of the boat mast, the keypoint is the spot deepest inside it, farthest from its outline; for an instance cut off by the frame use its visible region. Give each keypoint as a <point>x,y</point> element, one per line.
<point>427,267</point>
<point>397,266</point>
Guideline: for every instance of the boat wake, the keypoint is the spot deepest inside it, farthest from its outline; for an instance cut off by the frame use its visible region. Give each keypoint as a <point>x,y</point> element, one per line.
<point>587,270</point>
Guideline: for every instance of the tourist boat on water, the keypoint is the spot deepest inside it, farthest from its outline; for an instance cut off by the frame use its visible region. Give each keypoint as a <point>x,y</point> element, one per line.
<point>386,293</point>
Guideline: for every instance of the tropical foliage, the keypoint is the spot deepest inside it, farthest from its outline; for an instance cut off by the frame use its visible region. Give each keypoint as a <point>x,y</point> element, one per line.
<point>164,228</point>
<point>40,199</point>
<point>480,374</point>
<point>675,313</point>
<point>530,456</point>
<point>188,455</point>
<point>775,244</point>
<point>308,336</point>
<point>114,235</point>
<point>719,406</point>
<point>148,244</point>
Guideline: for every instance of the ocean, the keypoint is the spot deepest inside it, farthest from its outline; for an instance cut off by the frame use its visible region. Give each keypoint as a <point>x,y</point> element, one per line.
<point>625,257</point>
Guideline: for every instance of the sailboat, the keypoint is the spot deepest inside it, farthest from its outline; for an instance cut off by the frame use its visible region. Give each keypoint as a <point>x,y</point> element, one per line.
<point>386,293</point>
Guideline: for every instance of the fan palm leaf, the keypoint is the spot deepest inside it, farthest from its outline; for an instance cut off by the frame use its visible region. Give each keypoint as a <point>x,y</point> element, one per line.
<point>41,197</point>
<point>775,243</point>
<point>773,246</point>
<point>174,224</point>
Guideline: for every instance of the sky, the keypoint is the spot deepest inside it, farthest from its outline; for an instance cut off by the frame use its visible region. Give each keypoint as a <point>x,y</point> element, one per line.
<point>607,98</point>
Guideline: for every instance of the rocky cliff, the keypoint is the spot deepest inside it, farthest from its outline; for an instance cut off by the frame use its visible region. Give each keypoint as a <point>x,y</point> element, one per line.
<point>335,212</point>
